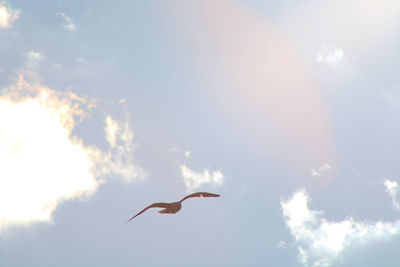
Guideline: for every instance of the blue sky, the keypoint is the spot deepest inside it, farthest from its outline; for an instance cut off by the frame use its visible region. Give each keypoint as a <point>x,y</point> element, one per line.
<point>289,110</point>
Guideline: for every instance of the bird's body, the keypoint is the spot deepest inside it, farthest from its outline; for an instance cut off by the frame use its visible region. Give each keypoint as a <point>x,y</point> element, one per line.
<point>174,207</point>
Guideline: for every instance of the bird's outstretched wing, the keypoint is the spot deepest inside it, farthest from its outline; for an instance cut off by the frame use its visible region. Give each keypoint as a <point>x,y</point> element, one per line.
<point>200,194</point>
<point>155,205</point>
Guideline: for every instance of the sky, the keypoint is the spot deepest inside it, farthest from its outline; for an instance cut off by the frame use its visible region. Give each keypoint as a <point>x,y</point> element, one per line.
<point>287,109</point>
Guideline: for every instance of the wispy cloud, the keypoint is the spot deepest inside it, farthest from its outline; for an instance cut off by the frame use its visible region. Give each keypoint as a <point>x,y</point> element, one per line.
<point>69,23</point>
<point>81,60</point>
<point>321,170</point>
<point>320,241</point>
<point>175,149</point>
<point>392,187</point>
<point>33,58</point>
<point>7,15</point>
<point>119,158</point>
<point>43,163</point>
<point>34,55</point>
<point>194,180</point>
<point>282,245</point>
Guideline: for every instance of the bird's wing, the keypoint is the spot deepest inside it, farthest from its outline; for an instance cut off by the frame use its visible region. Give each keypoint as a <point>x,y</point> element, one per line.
<point>155,205</point>
<point>200,194</point>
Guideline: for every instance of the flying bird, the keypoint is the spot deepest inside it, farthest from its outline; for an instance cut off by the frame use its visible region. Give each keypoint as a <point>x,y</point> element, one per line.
<point>174,207</point>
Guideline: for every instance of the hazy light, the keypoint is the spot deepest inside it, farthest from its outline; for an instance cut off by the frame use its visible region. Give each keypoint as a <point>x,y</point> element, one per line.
<point>257,79</point>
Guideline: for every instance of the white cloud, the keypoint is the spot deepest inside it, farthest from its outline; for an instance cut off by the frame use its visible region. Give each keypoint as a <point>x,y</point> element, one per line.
<point>7,15</point>
<point>321,170</point>
<point>392,187</point>
<point>43,163</point>
<point>188,153</point>
<point>320,241</point>
<point>330,55</point>
<point>69,23</point>
<point>333,57</point>
<point>195,179</point>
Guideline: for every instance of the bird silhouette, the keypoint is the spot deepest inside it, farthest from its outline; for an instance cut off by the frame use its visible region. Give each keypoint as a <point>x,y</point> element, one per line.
<point>174,207</point>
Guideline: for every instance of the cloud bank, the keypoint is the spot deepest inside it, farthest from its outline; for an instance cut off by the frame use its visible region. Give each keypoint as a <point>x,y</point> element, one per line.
<point>194,180</point>
<point>43,163</point>
<point>320,241</point>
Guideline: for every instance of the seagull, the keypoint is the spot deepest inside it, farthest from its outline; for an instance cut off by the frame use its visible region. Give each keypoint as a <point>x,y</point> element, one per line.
<point>174,207</point>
